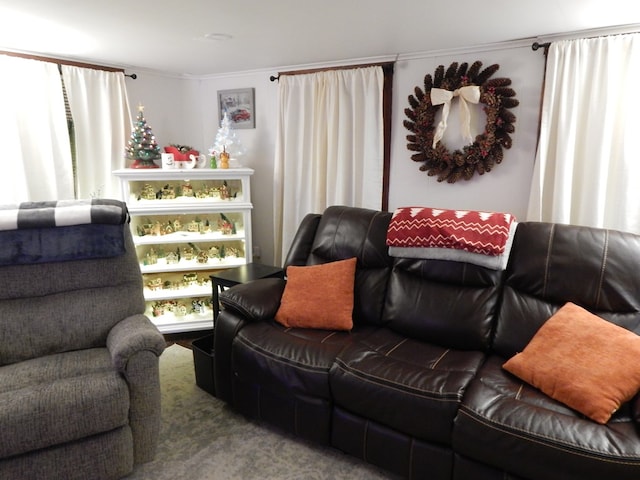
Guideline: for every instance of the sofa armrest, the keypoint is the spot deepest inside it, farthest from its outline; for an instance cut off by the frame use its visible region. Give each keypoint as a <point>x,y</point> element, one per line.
<point>256,300</point>
<point>248,302</point>
<point>635,408</point>
<point>132,335</point>
<point>227,326</point>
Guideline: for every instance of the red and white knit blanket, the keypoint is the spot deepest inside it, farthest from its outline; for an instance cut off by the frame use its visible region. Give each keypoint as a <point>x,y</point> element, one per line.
<point>484,233</point>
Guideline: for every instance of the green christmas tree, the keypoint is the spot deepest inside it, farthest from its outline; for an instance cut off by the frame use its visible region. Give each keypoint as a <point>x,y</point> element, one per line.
<point>142,147</point>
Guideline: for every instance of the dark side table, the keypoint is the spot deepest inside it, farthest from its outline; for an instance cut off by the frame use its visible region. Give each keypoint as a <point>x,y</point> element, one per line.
<point>243,274</point>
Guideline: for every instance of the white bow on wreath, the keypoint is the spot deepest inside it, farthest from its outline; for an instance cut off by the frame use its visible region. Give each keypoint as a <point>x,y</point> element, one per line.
<point>440,96</point>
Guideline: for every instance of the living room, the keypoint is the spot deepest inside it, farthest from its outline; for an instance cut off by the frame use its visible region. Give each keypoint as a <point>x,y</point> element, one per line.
<point>182,106</point>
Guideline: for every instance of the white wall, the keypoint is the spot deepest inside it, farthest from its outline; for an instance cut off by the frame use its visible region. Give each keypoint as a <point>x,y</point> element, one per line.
<point>259,143</point>
<point>506,187</point>
<point>185,111</point>
<point>165,106</point>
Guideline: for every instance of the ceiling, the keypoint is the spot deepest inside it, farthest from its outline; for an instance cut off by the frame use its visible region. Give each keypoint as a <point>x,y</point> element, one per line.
<point>171,36</point>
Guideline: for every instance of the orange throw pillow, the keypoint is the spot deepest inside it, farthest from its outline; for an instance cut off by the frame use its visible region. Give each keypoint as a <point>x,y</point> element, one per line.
<point>319,296</point>
<point>583,361</point>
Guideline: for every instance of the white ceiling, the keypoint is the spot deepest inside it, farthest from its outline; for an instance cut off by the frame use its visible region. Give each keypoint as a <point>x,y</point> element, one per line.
<point>169,35</point>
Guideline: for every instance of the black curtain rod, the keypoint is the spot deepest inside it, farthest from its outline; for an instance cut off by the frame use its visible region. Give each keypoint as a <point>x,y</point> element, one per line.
<point>385,66</point>
<point>133,76</point>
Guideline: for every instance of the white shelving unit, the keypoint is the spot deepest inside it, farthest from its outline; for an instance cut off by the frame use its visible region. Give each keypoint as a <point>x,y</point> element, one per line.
<point>186,224</point>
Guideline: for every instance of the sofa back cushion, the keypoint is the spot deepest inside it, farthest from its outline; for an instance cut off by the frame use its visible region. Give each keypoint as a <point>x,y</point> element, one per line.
<point>53,307</point>
<point>345,232</point>
<point>449,303</point>
<point>552,264</point>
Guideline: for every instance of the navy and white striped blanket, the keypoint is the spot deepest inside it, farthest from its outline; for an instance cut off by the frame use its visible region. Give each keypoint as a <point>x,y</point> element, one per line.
<point>62,213</point>
<point>64,230</point>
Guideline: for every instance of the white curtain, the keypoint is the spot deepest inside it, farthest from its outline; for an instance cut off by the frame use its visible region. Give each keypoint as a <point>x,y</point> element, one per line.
<point>102,122</point>
<point>329,146</point>
<point>36,153</point>
<point>587,164</point>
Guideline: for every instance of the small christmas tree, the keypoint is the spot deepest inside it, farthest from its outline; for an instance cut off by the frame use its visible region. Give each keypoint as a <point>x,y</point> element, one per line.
<point>142,147</point>
<point>227,141</point>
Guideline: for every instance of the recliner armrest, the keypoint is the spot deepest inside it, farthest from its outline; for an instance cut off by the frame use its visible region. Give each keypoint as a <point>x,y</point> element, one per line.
<point>256,300</point>
<point>132,335</point>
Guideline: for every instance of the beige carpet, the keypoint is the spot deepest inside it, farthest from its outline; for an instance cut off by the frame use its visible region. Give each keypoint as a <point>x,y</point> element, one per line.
<point>202,439</point>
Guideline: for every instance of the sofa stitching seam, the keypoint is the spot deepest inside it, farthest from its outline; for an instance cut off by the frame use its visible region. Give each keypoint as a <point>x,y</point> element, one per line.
<point>439,359</point>
<point>395,347</point>
<point>605,256</point>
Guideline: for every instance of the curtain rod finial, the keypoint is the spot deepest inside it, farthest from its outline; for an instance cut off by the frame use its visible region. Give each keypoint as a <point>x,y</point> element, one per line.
<point>536,45</point>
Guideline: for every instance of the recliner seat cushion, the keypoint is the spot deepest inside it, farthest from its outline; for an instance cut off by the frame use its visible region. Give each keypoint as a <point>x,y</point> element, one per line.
<point>60,398</point>
<point>506,423</point>
<point>289,359</point>
<point>412,386</point>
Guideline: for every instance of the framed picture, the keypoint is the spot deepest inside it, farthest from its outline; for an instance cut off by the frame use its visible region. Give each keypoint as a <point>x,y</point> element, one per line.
<point>239,105</point>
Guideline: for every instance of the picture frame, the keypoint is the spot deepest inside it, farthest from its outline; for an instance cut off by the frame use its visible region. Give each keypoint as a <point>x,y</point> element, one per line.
<point>239,105</point>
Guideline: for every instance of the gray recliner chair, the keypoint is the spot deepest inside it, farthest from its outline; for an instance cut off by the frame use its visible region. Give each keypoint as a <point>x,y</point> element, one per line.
<point>79,380</point>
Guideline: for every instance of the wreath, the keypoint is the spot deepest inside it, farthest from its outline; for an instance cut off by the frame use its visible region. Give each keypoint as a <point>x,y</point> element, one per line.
<point>486,150</point>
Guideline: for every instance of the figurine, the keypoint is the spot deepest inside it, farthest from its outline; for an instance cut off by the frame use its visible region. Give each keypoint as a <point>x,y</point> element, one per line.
<point>147,192</point>
<point>224,158</point>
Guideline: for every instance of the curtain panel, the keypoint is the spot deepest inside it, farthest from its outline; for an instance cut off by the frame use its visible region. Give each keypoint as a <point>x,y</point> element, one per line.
<point>587,164</point>
<point>329,146</point>
<point>36,137</point>
<point>102,122</point>
<point>36,162</point>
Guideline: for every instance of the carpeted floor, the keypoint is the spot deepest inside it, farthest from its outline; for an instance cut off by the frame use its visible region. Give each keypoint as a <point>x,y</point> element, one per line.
<point>202,439</point>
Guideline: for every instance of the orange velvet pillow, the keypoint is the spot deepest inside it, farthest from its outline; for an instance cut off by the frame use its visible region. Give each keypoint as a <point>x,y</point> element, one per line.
<point>319,296</point>
<point>583,361</point>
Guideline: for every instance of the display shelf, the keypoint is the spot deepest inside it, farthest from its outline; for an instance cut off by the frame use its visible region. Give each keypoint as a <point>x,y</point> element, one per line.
<point>186,222</point>
<point>171,323</point>
<point>169,206</point>
<point>185,265</point>
<point>185,237</point>
<point>168,294</point>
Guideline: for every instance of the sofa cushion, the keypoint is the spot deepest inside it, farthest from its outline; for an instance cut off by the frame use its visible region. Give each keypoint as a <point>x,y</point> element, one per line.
<point>512,426</point>
<point>583,361</point>
<point>319,296</point>
<point>345,232</point>
<point>286,359</point>
<point>552,264</point>
<point>412,386</point>
<point>453,304</point>
<point>281,375</point>
<point>44,401</point>
<point>83,294</point>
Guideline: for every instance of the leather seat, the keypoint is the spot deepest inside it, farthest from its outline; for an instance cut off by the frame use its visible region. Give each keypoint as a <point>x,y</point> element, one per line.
<point>288,363</point>
<point>386,375</point>
<point>511,425</point>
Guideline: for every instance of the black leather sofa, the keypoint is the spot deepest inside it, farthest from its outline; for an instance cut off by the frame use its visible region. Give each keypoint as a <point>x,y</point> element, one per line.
<point>417,387</point>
